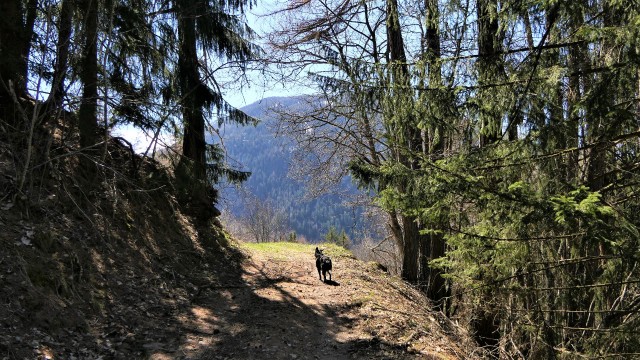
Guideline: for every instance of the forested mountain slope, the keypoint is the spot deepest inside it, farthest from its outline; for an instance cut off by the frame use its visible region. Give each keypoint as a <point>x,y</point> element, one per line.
<point>268,157</point>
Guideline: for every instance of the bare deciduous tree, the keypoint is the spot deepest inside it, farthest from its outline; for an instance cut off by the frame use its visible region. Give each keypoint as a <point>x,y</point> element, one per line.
<point>264,221</point>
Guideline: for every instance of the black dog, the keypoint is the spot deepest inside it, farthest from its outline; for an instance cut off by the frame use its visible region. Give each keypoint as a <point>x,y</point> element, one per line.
<point>323,263</point>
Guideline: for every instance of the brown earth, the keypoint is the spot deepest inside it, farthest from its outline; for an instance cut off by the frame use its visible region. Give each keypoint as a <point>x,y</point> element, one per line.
<point>115,270</point>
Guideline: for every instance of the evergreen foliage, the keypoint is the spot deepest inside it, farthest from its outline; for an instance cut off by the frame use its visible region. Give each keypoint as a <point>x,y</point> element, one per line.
<point>150,64</point>
<point>340,239</point>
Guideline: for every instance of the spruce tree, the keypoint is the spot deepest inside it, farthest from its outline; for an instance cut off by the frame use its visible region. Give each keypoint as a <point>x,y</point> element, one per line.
<point>212,26</point>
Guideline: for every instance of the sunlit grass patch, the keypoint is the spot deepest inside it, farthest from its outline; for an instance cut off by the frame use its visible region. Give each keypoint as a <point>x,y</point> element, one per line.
<point>278,247</point>
<point>285,249</point>
<point>333,250</point>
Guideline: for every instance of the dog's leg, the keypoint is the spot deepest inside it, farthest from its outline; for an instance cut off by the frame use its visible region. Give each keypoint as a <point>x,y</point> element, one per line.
<point>330,276</point>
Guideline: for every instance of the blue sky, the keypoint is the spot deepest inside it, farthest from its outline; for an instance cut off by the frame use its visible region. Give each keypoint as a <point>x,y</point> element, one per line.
<point>237,93</point>
<point>261,20</point>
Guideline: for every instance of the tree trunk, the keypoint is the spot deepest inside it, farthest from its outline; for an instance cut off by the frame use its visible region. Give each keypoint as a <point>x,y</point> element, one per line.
<point>192,175</point>
<point>62,55</point>
<point>489,68</point>
<point>600,127</point>
<point>13,65</point>
<point>433,245</point>
<point>397,57</point>
<point>432,56</point>
<point>576,57</point>
<point>417,249</point>
<point>409,139</point>
<point>32,8</point>
<point>193,146</point>
<point>88,121</point>
<point>410,250</point>
<point>486,321</point>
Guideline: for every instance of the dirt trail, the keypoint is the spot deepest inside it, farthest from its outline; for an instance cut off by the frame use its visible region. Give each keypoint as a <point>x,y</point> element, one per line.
<point>283,311</point>
<point>277,308</point>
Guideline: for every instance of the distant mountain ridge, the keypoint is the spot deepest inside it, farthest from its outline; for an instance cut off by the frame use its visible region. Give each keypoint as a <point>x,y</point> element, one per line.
<point>260,108</point>
<point>256,149</point>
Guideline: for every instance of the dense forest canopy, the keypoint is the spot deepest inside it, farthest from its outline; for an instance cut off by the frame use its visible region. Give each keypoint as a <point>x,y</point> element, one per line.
<point>501,138</point>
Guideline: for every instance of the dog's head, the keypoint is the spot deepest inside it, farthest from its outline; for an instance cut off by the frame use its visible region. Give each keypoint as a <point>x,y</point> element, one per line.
<point>318,253</point>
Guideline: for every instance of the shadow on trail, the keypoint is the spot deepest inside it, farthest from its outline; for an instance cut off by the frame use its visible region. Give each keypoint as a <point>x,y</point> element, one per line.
<point>143,282</point>
<point>332,283</point>
<point>251,314</point>
<point>262,319</point>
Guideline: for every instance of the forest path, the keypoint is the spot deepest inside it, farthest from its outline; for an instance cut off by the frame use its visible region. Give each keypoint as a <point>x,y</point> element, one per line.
<point>277,308</point>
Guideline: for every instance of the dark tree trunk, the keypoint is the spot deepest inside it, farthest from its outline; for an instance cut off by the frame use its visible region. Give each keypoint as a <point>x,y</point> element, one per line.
<point>433,50</point>
<point>195,188</point>
<point>13,64</point>
<point>433,246</point>
<point>399,78</point>
<point>194,141</point>
<point>410,250</point>
<point>576,57</point>
<point>485,323</point>
<point>62,55</point>
<point>88,122</point>
<point>600,126</point>
<point>489,67</point>
<point>435,140</point>
<point>395,45</point>
<point>32,8</point>
<point>417,249</point>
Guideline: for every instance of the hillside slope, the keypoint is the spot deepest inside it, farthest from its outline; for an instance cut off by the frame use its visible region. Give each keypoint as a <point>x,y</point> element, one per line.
<point>98,270</point>
<point>116,270</point>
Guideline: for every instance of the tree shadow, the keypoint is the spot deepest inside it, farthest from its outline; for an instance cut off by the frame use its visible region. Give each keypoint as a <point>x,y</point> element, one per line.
<point>262,314</point>
<point>257,317</point>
